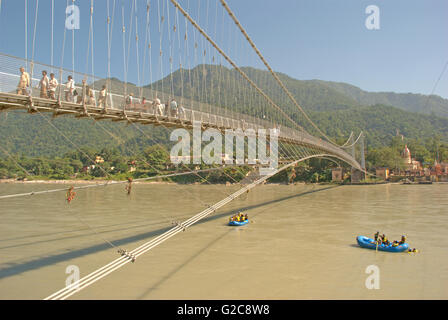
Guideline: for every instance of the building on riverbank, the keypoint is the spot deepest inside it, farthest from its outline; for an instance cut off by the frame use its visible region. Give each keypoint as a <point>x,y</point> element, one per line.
<point>382,173</point>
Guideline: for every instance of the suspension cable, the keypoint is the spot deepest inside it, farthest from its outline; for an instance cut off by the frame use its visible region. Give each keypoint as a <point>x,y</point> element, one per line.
<point>223,2</point>
<point>193,22</point>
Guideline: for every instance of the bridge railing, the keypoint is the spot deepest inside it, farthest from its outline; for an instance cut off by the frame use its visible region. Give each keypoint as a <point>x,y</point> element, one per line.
<point>188,110</point>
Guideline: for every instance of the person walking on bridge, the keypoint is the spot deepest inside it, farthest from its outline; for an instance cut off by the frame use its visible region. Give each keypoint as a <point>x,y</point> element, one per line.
<point>24,82</point>
<point>102,97</point>
<point>69,88</point>
<point>52,85</point>
<point>173,108</point>
<point>43,85</point>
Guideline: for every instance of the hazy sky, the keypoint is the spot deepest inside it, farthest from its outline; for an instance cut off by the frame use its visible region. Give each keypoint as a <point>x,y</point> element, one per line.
<point>306,39</point>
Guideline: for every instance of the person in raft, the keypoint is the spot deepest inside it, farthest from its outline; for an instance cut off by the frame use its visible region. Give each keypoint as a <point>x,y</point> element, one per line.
<point>384,239</point>
<point>240,217</point>
<point>396,243</point>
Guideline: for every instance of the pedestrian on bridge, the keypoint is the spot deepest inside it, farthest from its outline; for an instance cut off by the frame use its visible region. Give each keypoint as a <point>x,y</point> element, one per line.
<point>159,107</point>
<point>181,112</point>
<point>69,88</point>
<point>173,108</point>
<point>83,97</point>
<point>43,85</point>
<point>52,86</point>
<point>90,96</point>
<point>24,82</point>
<point>102,98</point>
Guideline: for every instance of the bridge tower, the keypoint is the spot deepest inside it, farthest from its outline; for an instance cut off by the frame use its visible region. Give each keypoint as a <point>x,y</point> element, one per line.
<point>356,175</point>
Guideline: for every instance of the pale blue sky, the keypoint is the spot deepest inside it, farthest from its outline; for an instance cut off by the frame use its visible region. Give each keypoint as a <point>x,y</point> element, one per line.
<point>306,39</point>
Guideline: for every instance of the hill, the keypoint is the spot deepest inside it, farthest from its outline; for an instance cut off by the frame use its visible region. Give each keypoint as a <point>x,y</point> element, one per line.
<point>426,104</point>
<point>337,108</point>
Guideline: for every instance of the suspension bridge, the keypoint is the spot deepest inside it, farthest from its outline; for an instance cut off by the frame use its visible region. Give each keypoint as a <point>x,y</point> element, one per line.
<point>194,51</point>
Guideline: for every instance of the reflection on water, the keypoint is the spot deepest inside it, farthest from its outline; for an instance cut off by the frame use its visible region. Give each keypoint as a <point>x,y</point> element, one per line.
<point>300,243</point>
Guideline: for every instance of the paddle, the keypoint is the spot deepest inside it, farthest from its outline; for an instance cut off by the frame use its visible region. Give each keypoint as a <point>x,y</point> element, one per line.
<point>377,238</point>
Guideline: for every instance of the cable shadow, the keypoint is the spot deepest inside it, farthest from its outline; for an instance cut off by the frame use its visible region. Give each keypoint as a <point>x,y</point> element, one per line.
<point>67,231</point>
<point>210,244</point>
<point>81,235</point>
<point>181,266</point>
<point>18,268</point>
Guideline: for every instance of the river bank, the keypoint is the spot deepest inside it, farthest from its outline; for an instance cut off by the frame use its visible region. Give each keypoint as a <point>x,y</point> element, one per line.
<point>74,181</point>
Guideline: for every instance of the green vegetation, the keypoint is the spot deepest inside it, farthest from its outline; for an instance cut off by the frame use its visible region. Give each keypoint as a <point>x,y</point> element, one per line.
<point>152,161</point>
<point>337,108</point>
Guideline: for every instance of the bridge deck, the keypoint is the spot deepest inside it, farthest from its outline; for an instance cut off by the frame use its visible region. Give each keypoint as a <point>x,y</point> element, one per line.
<point>11,101</point>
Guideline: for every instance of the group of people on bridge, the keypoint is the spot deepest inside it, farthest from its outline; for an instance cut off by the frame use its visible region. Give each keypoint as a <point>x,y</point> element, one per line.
<point>170,108</point>
<point>49,85</point>
<point>48,89</point>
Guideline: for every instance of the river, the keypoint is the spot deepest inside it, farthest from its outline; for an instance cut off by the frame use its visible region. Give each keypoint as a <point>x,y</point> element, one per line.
<point>300,242</point>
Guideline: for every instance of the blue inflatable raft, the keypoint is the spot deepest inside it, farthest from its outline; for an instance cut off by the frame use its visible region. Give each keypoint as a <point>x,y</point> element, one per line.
<point>238,223</point>
<point>371,244</point>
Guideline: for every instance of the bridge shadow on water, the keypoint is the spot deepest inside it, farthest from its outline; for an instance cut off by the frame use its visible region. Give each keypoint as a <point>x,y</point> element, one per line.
<point>17,268</point>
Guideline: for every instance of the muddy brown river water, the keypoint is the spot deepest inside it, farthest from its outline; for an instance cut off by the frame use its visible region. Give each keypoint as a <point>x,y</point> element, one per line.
<point>300,242</point>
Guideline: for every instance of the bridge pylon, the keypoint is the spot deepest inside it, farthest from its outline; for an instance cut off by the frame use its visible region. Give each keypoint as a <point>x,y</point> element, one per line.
<point>357,175</point>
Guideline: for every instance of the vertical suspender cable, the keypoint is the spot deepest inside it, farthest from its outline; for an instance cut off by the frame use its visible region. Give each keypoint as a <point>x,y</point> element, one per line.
<point>124,52</point>
<point>92,39</point>
<point>26,31</point>
<point>52,36</point>
<point>223,2</point>
<point>62,60</point>
<point>108,43</point>
<point>146,43</point>
<point>34,41</point>
<point>130,36</point>
<point>139,85</point>
<point>73,49</point>
<point>110,25</point>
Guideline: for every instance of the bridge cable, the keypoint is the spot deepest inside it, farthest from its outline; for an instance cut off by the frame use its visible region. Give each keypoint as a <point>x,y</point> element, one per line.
<point>34,41</point>
<point>62,62</point>
<point>124,52</point>
<point>193,22</point>
<point>109,183</point>
<point>52,36</point>
<point>26,31</point>
<point>223,2</point>
<point>120,262</point>
<point>14,160</point>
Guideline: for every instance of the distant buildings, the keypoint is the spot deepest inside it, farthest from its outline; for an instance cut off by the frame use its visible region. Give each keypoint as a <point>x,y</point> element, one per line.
<point>413,168</point>
<point>382,173</point>
<point>337,174</point>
